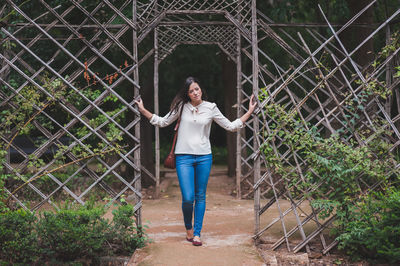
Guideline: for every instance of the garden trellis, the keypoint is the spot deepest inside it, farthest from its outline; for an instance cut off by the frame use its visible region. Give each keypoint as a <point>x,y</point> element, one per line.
<point>82,38</point>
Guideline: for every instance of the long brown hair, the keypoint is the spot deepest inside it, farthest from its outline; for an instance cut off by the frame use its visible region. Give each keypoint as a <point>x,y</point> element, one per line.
<point>182,97</point>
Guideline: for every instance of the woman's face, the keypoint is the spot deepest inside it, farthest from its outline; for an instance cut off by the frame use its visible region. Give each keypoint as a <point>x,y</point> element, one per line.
<point>194,93</point>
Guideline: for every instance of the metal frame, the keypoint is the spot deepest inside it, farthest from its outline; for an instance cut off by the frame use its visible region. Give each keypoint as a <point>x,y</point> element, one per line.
<point>244,34</point>
<point>70,75</point>
<point>320,102</point>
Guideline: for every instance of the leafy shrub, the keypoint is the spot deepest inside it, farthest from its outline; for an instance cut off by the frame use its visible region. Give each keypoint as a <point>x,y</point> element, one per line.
<point>3,179</point>
<point>73,233</point>
<point>374,231</point>
<point>335,162</point>
<point>68,234</point>
<point>337,176</point>
<point>18,237</point>
<point>124,232</point>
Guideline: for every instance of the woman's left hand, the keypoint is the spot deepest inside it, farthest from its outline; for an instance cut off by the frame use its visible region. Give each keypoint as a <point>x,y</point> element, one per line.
<point>252,104</point>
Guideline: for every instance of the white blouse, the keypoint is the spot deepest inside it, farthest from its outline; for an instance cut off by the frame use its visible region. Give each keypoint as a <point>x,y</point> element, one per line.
<point>195,126</point>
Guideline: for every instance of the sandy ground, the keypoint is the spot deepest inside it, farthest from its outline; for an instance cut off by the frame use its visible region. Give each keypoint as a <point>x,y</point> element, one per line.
<point>226,234</point>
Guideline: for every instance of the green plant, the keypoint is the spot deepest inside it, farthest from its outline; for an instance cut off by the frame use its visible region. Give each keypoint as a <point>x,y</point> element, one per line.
<point>3,179</point>
<point>73,233</point>
<point>70,234</point>
<point>124,232</point>
<point>374,231</point>
<point>338,172</point>
<point>397,74</point>
<point>18,237</point>
<point>340,167</point>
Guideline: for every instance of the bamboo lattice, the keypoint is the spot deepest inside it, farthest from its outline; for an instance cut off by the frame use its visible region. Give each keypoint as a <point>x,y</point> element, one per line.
<point>64,31</point>
<point>318,96</point>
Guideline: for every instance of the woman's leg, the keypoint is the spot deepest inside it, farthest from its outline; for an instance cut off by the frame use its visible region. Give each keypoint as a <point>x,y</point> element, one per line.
<point>202,173</point>
<point>185,172</point>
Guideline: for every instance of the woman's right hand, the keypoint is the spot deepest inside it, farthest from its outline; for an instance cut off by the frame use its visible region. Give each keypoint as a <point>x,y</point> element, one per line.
<point>140,104</point>
<point>143,110</point>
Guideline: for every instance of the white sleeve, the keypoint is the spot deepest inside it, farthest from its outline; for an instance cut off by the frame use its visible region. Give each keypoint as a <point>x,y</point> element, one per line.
<point>224,122</point>
<point>164,121</point>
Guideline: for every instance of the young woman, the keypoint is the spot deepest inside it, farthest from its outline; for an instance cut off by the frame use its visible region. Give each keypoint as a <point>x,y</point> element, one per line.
<point>193,150</point>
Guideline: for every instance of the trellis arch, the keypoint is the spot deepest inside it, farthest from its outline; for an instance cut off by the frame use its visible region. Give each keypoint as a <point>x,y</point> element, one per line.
<point>239,12</point>
<point>169,37</point>
<point>175,23</point>
<point>81,37</point>
<point>92,28</point>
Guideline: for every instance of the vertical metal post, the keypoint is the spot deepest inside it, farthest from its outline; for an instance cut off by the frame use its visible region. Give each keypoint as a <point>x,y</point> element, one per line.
<point>156,111</point>
<point>388,68</point>
<point>254,44</point>
<point>138,184</point>
<point>238,114</point>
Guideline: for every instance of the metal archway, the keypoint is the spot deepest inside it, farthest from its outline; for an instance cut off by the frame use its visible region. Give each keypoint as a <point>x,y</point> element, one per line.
<point>81,36</point>
<point>174,23</point>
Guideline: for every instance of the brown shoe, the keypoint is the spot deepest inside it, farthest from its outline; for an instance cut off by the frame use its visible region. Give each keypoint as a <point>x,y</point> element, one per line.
<point>197,241</point>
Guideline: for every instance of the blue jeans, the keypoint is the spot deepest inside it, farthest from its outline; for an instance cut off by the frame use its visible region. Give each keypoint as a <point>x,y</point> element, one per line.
<point>193,172</point>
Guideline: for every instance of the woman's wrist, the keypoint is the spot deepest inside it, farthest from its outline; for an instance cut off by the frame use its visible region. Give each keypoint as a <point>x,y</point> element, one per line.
<point>145,113</point>
<point>248,113</point>
<point>245,117</point>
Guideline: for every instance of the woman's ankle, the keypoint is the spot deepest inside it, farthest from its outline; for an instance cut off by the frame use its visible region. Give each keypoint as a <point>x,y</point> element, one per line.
<point>189,233</point>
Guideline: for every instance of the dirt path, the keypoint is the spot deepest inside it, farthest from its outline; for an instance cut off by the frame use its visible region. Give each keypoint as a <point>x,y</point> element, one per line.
<point>226,233</point>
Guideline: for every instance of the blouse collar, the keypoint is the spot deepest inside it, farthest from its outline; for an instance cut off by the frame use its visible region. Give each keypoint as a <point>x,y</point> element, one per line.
<point>194,110</point>
<point>191,107</point>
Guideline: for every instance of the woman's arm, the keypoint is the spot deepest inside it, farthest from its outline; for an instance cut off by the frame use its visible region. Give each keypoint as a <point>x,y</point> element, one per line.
<point>224,122</point>
<point>252,106</point>
<point>155,119</point>
<point>143,110</point>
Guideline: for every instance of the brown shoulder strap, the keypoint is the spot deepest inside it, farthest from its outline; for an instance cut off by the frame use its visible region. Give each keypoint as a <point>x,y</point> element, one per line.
<point>176,129</point>
<point>179,119</point>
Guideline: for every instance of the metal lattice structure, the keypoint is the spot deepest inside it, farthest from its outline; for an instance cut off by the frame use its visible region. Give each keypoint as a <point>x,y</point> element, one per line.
<point>172,36</point>
<point>90,39</point>
<point>320,99</point>
<point>82,37</point>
